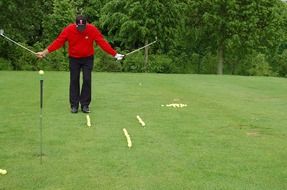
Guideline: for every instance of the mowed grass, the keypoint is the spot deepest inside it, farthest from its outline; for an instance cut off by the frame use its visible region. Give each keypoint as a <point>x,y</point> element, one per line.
<point>231,135</point>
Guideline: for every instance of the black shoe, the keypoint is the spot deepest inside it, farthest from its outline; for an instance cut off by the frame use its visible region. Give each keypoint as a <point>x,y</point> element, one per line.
<point>74,110</point>
<point>85,109</point>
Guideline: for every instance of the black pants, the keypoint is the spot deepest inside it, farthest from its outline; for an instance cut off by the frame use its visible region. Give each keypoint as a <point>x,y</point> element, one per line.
<point>76,66</point>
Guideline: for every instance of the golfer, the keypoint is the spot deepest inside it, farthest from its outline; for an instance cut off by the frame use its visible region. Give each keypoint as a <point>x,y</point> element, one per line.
<point>80,37</point>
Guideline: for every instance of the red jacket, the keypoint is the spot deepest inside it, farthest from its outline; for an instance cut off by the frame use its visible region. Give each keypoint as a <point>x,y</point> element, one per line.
<point>81,44</point>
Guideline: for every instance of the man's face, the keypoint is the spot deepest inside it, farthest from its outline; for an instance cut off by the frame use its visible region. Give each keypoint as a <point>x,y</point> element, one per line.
<point>81,25</point>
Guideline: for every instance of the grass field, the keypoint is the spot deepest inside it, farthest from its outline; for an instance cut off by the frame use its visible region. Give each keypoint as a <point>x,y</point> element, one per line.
<point>231,136</point>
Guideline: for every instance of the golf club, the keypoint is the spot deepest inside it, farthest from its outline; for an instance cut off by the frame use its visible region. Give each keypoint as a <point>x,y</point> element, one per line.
<point>141,48</point>
<point>2,34</point>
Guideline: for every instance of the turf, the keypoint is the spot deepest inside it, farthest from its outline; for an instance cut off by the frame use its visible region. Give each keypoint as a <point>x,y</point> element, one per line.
<point>231,135</point>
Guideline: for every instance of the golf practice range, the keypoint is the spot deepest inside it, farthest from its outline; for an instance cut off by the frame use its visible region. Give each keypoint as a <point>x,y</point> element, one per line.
<point>145,131</point>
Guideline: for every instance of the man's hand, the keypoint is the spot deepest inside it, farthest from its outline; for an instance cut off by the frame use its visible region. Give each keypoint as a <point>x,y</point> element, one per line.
<point>42,54</point>
<point>119,56</point>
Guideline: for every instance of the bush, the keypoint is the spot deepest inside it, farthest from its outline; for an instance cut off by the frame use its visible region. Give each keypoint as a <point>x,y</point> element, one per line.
<point>186,63</point>
<point>134,63</point>
<point>27,61</point>
<point>281,64</point>
<point>209,64</point>
<point>5,64</point>
<point>156,64</point>
<point>105,63</point>
<point>259,66</point>
<point>20,59</point>
<point>161,64</point>
<point>56,61</point>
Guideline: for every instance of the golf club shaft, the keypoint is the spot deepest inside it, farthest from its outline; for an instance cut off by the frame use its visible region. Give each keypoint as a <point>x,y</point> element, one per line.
<point>140,48</point>
<point>18,44</point>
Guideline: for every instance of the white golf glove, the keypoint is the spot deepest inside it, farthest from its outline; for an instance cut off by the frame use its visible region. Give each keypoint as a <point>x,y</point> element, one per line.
<point>119,56</point>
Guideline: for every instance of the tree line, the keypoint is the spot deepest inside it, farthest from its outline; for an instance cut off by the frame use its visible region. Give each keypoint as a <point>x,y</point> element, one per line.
<point>240,37</point>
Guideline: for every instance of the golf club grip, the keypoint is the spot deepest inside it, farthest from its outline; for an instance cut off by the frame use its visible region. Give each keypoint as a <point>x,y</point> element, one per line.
<point>41,93</point>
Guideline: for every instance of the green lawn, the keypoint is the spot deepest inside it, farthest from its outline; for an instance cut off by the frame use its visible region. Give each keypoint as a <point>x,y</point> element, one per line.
<point>231,136</point>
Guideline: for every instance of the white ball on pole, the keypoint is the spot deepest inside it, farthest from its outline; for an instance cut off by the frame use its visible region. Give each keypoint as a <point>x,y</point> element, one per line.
<point>41,72</point>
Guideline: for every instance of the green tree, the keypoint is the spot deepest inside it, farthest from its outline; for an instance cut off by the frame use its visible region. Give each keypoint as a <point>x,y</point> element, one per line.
<point>236,25</point>
<point>90,8</point>
<point>63,13</point>
<point>21,21</point>
<point>134,23</point>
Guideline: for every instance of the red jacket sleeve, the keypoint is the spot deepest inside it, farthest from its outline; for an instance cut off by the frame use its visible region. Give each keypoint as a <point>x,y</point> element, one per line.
<point>104,45</point>
<point>59,41</point>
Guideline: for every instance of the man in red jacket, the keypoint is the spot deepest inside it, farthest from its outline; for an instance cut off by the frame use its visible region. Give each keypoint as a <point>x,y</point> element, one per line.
<point>80,37</point>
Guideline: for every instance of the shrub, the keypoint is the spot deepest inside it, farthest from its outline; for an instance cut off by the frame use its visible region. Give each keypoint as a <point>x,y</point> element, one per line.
<point>281,64</point>
<point>209,64</point>
<point>105,63</point>
<point>259,66</point>
<point>134,63</point>
<point>161,64</point>
<point>5,64</point>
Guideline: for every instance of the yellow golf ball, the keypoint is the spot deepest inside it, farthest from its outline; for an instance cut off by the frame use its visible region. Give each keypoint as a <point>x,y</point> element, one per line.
<point>3,172</point>
<point>41,72</point>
